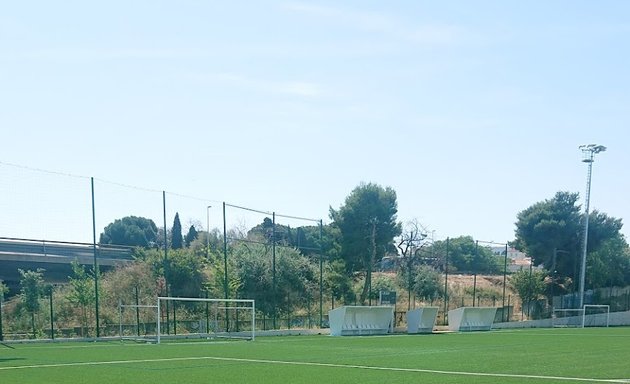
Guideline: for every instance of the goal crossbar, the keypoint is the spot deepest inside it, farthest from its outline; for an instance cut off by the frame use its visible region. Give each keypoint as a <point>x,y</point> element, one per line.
<point>602,306</point>
<point>122,306</point>
<point>568,317</point>
<point>580,317</point>
<point>201,299</point>
<point>241,304</point>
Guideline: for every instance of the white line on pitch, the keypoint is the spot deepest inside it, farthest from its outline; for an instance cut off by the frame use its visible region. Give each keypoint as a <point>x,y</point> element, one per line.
<point>314,364</point>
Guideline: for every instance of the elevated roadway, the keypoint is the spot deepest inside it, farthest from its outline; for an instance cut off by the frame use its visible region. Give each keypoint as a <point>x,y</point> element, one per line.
<point>54,257</point>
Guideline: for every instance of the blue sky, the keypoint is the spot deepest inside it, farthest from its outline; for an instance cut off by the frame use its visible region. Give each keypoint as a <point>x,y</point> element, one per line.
<point>471,111</point>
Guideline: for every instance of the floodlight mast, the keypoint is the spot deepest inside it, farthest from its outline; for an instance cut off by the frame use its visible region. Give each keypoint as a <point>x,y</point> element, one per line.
<point>588,151</point>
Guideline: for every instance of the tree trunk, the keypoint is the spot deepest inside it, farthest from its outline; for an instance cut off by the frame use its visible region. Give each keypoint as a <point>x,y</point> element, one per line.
<point>33,324</point>
<point>83,321</point>
<point>366,286</point>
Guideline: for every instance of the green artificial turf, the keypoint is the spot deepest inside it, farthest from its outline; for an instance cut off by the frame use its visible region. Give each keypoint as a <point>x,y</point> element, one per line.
<point>520,356</point>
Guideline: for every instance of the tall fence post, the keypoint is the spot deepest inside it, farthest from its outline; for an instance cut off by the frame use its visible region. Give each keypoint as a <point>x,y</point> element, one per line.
<point>207,313</point>
<point>137,312</point>
<point>52,313</point>
<point>475,271</point>
<point>446,281</point>
<point>98,328</point>
<point>273,271</point>
<point>165,264</point>
<point>504,283</point>
<point>1,300</point>
<point>225,269</point>
<point>321,276</point>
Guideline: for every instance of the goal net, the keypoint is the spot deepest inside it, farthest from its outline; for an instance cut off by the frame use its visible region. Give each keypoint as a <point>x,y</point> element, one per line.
<point>137,322</point>
<point>596,315</point>
<point>198,318</point>
<point>563,318</point>
<point>590,315</point>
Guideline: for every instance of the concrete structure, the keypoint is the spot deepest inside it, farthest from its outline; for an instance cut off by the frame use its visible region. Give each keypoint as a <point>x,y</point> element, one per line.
<point>55,257</point>
<point>421,320</point>
<point>471,319</point>
<point>361,320</point>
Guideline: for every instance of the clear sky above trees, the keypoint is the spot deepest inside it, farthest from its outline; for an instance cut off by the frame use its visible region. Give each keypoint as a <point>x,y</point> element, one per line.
<point>471,111</point>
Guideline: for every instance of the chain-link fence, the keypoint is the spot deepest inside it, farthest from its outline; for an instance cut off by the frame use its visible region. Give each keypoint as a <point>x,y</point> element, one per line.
<point>197,247</point>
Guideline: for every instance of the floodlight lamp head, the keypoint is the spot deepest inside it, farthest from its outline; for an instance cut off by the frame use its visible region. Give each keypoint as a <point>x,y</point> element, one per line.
<point>588,150</point>
<point>599,148</point>
<point>595,148</point>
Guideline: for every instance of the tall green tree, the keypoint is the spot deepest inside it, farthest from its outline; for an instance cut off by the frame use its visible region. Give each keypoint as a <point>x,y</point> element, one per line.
<point>184,270</point>
<point>601,229</point>
<point>208,244</point>
<point>177,241</point>
<point>264,232</point>
<point>551,224</point>
<point>427,283</point>
<point>125,284</point>
<point>191,235</point>
<point>530,285</point>
<point>296,278</point>
<point>368,225</point>
<point>609,265</point>
<point>82,294</point>
<point>130,230</point>
<point>557,224</point>
<point>337,283</point>
<point>31,289</point>
<point>424,281</point>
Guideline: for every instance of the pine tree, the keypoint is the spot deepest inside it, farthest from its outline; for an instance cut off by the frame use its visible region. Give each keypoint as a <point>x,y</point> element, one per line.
<point>177,241</point>
<point>191,235</point>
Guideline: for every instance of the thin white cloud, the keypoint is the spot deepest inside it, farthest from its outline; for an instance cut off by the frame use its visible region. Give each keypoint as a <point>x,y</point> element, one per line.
<point>388,25</point>
<point>295,88</point>
<point>74,55</point>
<point>301,89</point>
<point>313,9</point>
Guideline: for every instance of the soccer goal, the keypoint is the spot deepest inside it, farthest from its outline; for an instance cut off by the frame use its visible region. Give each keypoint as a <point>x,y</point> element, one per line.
<point>596,315</point>
<point>568,318</point>
<point>138,322</point>
<point>199,318</point>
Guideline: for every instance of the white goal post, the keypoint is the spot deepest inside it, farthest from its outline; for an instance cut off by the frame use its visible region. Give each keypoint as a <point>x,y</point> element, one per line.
<point>209,318</point>
<point>567,318</point>
<point>590,315</point>
<point>149,319</point>
<point>596,315</point>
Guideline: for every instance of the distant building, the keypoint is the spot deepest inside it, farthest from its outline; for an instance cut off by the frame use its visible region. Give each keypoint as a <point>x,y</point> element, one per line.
<point>516,258</point>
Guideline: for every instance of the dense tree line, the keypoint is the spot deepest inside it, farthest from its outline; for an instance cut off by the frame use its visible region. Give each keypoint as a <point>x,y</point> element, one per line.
<point>278,265</point>
<point>365,229</point>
